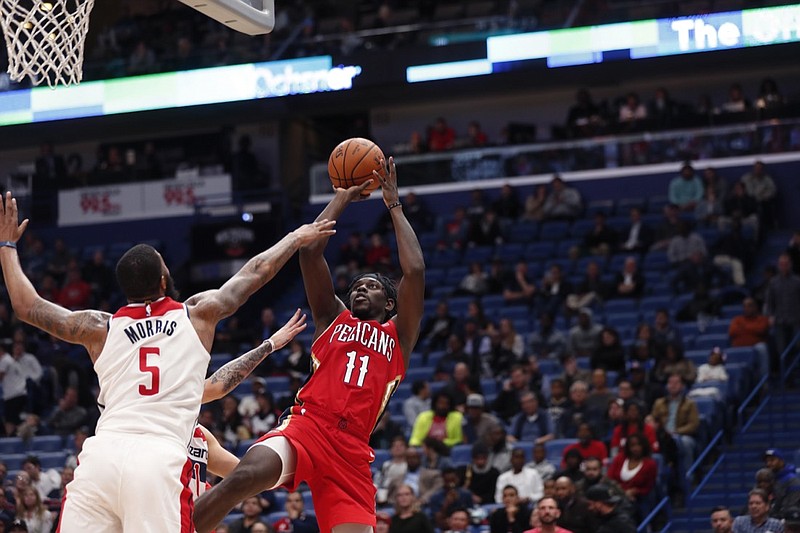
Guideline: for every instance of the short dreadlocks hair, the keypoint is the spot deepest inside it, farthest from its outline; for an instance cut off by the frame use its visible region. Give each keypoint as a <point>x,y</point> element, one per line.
<point>389,289</point>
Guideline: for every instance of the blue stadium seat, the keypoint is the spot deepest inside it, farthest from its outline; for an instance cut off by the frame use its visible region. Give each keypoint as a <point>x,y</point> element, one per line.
<point>422,372</point>
<point>47,443</point>
<point>488,386</point>
<point>527,447</point>
<point>509,252</point>
<point>554,230</point>
<point>538,251</point>
<point>461,454</point>
<point>11,445</point>
<point>622,305</point>
<point>308,501</point>
<point>277,385</point>
<point>606,207</point>
<point>744,354</point>
<point>444,258</point>
<point>481,254</point>
<point>624,205</point>
<point>381,456</point>
<point>242,446</point>
<point>708,341</point>
<point>622,320</point>
<point>580,228</point>
<point>280,498</point>
<point>554,449</point>
<point>730,311</point>
<point>52,459</point>
<point>523,232</point>
<point>233,516</point>
<point>14,461</point>
<point>654,303</point>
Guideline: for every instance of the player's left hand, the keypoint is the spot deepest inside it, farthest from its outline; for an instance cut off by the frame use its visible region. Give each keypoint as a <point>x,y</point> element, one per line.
<point>10,228</point>
<point>283,336</point>
<point>388,181</point>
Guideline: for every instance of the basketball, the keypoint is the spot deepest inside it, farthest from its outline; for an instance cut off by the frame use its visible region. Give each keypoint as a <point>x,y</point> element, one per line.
<point>352,162</point>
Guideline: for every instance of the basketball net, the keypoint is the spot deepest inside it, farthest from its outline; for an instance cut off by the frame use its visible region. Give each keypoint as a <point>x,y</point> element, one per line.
<point>45,39</point>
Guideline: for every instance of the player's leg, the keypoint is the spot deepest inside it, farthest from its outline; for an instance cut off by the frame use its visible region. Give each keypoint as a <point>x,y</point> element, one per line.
<point>266,465</point>
<point>352,528</point>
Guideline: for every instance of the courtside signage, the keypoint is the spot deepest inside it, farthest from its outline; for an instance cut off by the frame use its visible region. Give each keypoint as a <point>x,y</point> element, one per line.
<point>626,40</point>
<point>177,89</point>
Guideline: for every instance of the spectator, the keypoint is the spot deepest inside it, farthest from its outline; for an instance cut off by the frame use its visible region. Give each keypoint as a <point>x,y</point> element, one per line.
<point>636,472</point>
<point>606,507</point>
<point>632,423</point>
<point>453,355</point>
<point>44,481</point>
<point>477,348</point>
<point>442,423</point>
<point>476,137</point>
<point>758,518</point>
<point>557,403</point>
<point>460,384</point>
<point>629,283</point>
<point>714,368</point>
<point>534,204</point>
<point>609,354</point>
<point>587,445</point>
<point>739,205</point>
<point>507,403</point>
<point>441,136</point>
<point>377,254</point>
<point>486,230</point>
<point>477,422</point>
<point>386,430</point>
<point>686,190</point>
<point>584,337</point>
<point>734,252</point>
<point>639,236</point>
<point>540,463</point>
<point>684,245</point>
<point>791,520</point>
<point>572,371</point>
<point>593,475</point>
<point>422,480</point>
<point>437,328</point>
<point>577,410</point>
<point>507,206</point>
<point>712,180</point>
<point>480,477</point>
<point>680,418</point>
<point>15,390</point>
<point>602,238</point>
<point>499,449</point>
<point>632,111</point>
<point>31,509</point>
<point>674,361</point>
<point>533,423</point>
<point>765,480</point>
<point>75,293</point>
<point>519,287</point>
<point>662,108</point>
<point>736,103</point>
<point>600,395</point>
<point>407,516</point>
<point>419,401</point>
<point>663,332</point>
<point>782,304</point>
<point>526,480</point>
<point>474,283</point>
<point>554,290</point>
<point>299,519</point>
<point>702,308</point>
<point>592,289</point>
<point>383,522</point>
<point>575,513</point>
<point>457,522</point>
<point>69,416</point>
<point>453,232</point>
<point>668,228</point>
<point>99,277</point>
<point>721,520</point>
<point>760,185</point>
<point>709,209</point>
<point>448,498</point>
<point>787,483</point>
<point>513,517</point>
<point>545,516</point>
<point>547,342</point>
<point>769,97</point>
<point>563,203</point>
<point>583,119</point>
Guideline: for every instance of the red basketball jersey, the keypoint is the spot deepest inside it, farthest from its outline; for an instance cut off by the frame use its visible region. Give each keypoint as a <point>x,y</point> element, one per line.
<point>356,367</point>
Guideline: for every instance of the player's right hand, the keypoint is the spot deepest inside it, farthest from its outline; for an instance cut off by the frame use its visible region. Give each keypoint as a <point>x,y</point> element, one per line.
<point>308,233</point>
<point>283,336</point>
<point>354,193</point>
<point>10,228</point>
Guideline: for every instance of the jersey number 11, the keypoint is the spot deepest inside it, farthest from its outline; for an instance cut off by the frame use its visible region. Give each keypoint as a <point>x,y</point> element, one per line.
<point>351,365</point>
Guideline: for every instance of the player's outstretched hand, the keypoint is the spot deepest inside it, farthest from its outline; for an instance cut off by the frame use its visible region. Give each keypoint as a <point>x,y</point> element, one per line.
<point>388,182</point>
<point>10,228</point>
<point>308,233</point>
<point>354,193</point>
<point>283,336</point>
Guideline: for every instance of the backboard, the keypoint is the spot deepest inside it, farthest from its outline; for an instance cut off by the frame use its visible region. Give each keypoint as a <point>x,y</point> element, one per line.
<point>252,17</point>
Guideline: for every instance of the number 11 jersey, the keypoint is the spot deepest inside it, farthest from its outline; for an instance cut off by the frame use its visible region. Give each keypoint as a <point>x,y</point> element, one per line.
<point>356,367</point>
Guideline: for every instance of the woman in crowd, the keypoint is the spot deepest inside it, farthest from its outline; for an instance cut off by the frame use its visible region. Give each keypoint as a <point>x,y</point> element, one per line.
<point>407,516</point>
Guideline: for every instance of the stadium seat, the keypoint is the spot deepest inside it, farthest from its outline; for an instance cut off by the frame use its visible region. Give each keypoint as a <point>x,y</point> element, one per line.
<point>381,456</point>
<point>523,232</point>
<point>47,443</point>
<point>14,461</point>
<point>277,385</point>
<point>11,445</point>
<point>481,254</point>
<point>623,305</point>
<point>554,449</point>
<point>308,501</point>
<point>554,230</point>
<point>461,454</point>
<point>527,447</point>
<point>538,251</point>
<point>52,459</point>
<point>424,373</point>
<point>708,341</point>
<point>606,207</point>
<point>510,252</point>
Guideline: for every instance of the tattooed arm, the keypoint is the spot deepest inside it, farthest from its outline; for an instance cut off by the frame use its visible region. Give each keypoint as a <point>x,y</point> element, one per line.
<point>87,328</point>
<point>229,376</point>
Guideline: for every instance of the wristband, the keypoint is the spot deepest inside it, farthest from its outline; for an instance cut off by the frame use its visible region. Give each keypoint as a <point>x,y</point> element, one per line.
<point>12,244</point>
<point>392,206</point>
<point>271,345</point>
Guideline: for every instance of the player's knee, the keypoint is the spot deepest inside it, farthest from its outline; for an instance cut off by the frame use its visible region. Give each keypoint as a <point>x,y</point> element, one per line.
<point>260,468</point>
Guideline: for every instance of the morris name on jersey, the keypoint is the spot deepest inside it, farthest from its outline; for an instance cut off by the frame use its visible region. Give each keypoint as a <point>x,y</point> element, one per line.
<point>147,328</point>
<point>365,334</point>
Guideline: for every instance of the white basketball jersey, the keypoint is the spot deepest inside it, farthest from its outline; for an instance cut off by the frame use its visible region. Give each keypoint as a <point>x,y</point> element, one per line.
<point>198,453</point>
<point>151,372</point>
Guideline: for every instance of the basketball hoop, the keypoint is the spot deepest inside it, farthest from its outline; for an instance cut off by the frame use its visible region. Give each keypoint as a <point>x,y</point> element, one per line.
<point>45,39</point>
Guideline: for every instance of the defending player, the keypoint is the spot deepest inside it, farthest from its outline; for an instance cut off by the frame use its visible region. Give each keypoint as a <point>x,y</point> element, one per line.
<point>359,357</point>
<point>150,359</point>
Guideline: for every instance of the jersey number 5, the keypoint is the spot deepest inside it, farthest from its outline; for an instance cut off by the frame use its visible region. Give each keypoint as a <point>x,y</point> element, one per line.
<point>351,365</point>
<point>151,369</point>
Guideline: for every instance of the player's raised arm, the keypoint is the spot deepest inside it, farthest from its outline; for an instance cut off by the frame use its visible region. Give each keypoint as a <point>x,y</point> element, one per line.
<point>411,288</point>
<point>325,306</point>
<point>234,372</point>
<point>78,327</point>
<point>210,307</point>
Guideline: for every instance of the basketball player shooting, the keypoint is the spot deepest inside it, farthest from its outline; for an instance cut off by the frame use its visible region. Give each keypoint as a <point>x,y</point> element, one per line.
<point>359,356</point>
<point>150,358</point>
